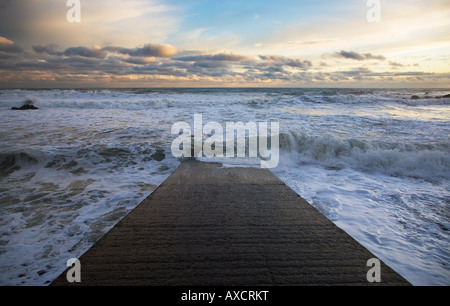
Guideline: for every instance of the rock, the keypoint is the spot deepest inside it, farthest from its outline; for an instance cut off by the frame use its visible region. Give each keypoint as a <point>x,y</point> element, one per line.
<point>41,272</point>
<point>159,155</point>
<point>442,97</point>
<point>415,97</point>
<point>27,105</point>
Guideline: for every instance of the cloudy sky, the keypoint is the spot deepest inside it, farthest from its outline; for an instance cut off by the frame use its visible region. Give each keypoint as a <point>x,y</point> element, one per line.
<point>244,43</point>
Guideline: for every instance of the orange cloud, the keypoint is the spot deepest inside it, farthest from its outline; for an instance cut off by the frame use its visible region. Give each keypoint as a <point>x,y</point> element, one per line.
<point>5,41</point>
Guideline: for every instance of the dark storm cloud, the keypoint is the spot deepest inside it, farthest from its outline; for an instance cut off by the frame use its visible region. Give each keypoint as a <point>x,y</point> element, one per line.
<point>10,48</point>
<point>159,69</point>
<point>211,65</point>
<point>9,51</point>
<point>226,57</point>
<point>85,52</point>
<point>357,71</point>
<point>148,50</point>
<point>395,65</point>
<point>223,64</point>
<point>58,64</point>
<point>157,61</point>
<point>359,57</point>
<point>365,74</point>
<point>70,52</point>
<point>284,61</point>
<point>135,54</point>
<point>47,49</point>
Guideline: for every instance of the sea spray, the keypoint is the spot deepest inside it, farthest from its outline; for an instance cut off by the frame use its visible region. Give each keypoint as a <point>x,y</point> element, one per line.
<point>418,160</point>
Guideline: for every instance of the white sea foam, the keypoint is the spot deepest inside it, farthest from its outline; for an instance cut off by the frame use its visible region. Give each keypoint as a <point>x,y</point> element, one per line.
<point>375,162</point>
<point>403,221</point>
<point>428,161</point>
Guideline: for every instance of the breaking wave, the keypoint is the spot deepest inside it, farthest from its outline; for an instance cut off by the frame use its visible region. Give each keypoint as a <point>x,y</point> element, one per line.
<point>427,161</point>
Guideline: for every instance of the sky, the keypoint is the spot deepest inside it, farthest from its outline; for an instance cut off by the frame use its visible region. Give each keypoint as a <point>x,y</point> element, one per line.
<point>227,43</point>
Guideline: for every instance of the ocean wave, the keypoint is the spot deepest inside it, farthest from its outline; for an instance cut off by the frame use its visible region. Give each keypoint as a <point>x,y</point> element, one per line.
<point>424,101</point>
<point>125,100</point>
<point>14,161</point>
<point>367,97</point>
<point>140,99</point>
<point>420,160</point>
<point>83,99</point>
<point>78,161</point>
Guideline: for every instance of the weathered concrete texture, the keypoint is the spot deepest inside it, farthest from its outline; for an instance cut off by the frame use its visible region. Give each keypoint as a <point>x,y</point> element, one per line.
<point>215,226</point>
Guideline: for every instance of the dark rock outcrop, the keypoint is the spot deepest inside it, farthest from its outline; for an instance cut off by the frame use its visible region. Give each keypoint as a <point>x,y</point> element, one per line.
<point>27,105</point>
<point>442,97</point>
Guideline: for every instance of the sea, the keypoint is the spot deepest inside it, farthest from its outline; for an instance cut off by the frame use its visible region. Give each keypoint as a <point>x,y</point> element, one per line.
<point>376,162</point>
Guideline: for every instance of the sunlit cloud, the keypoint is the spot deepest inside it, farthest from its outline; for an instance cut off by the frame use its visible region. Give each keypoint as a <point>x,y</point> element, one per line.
<point>176,43</point>
<point>5,41</point>
<point>148,50</point>
<point>8,46</point>
<point>103,22</point>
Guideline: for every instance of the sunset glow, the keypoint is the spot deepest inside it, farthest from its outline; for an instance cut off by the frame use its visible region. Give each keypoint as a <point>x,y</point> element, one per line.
<point>173,43</point>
